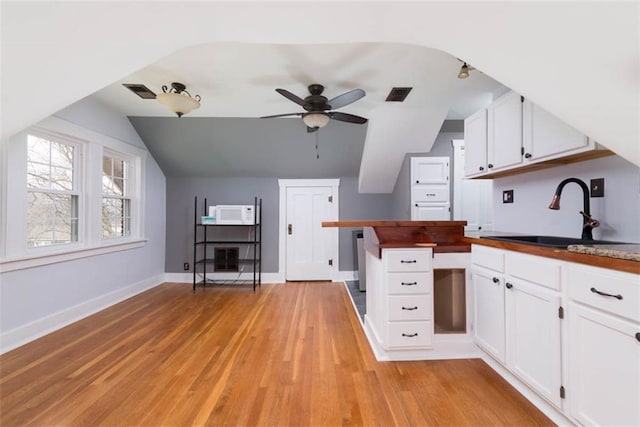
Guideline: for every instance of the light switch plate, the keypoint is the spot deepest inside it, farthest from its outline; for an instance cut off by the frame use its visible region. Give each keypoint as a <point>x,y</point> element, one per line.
<point>507,196</point>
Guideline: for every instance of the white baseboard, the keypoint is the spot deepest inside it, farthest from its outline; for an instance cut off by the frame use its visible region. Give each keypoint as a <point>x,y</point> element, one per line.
<point>188,277</point>
<point>23,334</point>
<point>346,276</point>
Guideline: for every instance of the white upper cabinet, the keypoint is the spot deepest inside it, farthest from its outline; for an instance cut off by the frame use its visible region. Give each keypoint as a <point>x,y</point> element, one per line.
<point>504,132</point>
<point>475,144</point>
<point>519,137</point>
<point>546,137</point>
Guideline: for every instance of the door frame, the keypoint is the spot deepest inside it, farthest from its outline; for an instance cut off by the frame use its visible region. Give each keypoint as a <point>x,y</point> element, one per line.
<point>282,220</point>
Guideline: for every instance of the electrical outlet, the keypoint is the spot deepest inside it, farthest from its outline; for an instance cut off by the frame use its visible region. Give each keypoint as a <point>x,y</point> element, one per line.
<point>507,196</point>
<point>597,187</point>
<point>186,266</point>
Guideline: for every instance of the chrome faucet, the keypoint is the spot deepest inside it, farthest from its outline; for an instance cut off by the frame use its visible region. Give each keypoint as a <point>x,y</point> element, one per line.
<point>588,223</point>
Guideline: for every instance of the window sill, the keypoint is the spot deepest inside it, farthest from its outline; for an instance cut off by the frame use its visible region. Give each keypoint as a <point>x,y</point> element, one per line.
<point>31,261</point>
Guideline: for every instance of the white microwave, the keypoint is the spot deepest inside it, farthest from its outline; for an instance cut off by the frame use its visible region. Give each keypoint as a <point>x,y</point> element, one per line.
<point>235,214</point>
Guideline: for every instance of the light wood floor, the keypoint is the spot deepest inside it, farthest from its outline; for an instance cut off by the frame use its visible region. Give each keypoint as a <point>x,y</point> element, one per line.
<point>291,355</point>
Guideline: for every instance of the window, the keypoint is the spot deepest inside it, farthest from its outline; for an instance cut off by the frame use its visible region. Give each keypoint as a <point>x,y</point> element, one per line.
<point>52,191</point>
<point>116,197</point>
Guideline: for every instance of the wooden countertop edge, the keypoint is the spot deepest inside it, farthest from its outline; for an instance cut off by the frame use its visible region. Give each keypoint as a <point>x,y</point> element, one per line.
<point>561,254</point>
<point>391,223</point>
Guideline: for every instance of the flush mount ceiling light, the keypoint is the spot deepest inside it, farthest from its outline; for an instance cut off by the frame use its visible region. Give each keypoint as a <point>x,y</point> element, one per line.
<point>177,99</point>
<point>464,70</point>
<point>315,120</point>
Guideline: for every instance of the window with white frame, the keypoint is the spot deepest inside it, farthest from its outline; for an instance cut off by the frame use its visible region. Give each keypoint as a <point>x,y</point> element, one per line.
<point>116,196</point>
<point>52,191</point>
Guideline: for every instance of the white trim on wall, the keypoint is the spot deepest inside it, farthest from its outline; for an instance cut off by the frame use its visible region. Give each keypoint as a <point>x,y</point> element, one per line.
<point>282,219</point>
<point>23,334</point>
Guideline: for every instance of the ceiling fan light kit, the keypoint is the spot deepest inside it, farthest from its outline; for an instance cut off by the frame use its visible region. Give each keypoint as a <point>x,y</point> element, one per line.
<point>315,120</point>
<point>177,99</point>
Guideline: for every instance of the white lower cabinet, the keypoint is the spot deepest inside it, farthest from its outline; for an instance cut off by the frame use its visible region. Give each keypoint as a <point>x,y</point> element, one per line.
<point>533,337</point>
<point>569,332</point>
<point>488,309</point>
<point>604,347</point>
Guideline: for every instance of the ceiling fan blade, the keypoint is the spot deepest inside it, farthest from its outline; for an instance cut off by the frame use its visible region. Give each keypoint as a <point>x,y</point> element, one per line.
<point>346,117</point>
<point>346,98</point>
<point>311,130</point>
<point>290,96</point>
<point>281,115</point>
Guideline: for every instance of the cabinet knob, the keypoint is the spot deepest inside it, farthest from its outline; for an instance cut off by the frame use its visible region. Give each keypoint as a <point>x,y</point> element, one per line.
<point>417,181</point>
<point>490,166</point>
<point>481,168</point>
<point>509,285</point>
<point>527,156</point>
<point>495,280</point>
<point>638,336</point>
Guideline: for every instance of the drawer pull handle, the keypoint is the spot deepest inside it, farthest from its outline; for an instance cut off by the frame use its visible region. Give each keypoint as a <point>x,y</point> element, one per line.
<point>410,335</point>
<point>495,280</point>
<point>404,261</point>
<point>410,308</point>
<point>595,291</point>
<point>409,283</point>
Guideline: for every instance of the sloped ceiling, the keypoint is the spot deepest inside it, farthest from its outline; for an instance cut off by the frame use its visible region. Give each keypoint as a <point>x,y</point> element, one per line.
<point>578,60</point>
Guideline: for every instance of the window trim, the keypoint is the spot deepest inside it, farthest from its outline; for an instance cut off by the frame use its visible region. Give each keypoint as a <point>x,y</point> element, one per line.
<point>14,254</point>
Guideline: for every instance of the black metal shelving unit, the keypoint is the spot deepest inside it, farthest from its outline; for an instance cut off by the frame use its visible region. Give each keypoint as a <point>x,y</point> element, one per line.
<point>205,241</point>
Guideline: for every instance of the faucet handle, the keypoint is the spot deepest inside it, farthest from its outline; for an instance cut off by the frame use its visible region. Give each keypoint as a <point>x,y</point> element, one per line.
<point>591,222</point>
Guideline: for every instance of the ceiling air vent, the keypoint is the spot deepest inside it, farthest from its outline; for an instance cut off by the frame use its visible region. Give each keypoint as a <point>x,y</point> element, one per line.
<point>141,90</point>
<point>398,94</point>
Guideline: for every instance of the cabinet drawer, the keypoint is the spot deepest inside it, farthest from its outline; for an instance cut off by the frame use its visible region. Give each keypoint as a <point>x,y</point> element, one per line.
<point>409,307</point>
<point>409,334</point>
<point>430,193</point>
<point>408,260</point>
<point>585,282</point>
<point>534,269</point>
<point>409,283</point>
<point>486,257</point>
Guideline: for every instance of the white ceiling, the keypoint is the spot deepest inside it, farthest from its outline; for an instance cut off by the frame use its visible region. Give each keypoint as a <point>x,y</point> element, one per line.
<point>239,80</point>
<point>578,60</point>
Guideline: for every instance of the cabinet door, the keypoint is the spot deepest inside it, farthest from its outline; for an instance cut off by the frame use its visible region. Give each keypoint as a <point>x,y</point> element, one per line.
<point>488,312</point>
<point>475,144</point>
<point>430,212</point>
<point>545,136</point>
<point>430,170</point>
<point>533,337</point>
<point>604,368</point>
<point>504,132</point>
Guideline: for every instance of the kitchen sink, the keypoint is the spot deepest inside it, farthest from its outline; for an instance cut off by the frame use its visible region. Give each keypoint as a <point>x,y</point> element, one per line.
<point>551,241</point>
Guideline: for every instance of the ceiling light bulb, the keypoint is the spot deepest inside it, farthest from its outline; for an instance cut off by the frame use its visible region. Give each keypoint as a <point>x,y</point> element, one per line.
<point>315,120</point>
<point>464,71</point>
<point>178,100</point>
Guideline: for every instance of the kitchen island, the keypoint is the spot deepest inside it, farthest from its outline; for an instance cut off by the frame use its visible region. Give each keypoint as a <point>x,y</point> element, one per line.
<point>416,289</point>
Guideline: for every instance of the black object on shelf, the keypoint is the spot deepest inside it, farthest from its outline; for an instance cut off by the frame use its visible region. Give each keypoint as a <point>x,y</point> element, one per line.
<point>214,254</point>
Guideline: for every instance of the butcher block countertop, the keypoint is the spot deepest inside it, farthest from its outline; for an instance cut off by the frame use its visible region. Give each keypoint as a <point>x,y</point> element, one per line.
<point>596,259</point>
<point>442,236</point>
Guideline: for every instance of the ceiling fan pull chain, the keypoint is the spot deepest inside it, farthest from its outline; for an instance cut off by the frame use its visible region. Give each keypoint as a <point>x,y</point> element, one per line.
<point>317,151</point>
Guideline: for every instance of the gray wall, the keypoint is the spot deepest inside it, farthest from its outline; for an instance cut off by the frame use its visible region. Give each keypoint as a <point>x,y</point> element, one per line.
<point>617,211</point>
<point>401,196</point>
<point>31,295</point>
<point>232,191</point>
<point>181,193</point>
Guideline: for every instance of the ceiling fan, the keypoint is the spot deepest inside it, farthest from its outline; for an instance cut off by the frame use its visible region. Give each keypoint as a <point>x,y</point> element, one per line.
<point>318,109</point>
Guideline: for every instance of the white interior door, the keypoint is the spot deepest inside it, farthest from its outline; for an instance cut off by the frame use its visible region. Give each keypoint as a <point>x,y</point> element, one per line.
<point>309,246</point>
